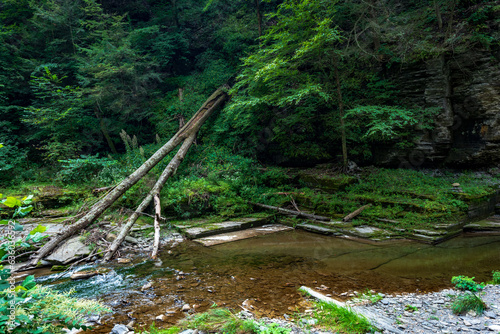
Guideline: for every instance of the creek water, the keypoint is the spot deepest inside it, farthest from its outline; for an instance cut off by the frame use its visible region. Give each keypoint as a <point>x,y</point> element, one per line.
<point>265,273</point>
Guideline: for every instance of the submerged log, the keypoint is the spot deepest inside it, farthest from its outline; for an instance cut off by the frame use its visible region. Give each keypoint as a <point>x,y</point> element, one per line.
<point>191,127</point>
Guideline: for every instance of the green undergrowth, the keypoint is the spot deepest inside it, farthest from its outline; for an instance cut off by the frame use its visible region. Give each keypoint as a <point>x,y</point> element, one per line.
<point>341,319</point>
<point>219,182</point>
<point>220,320</point>
<point>402,199</point>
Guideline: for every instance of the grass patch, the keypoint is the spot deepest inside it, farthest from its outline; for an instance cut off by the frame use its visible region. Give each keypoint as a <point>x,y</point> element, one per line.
<point>466,302</point>
<point>341,319</point>
<point>220,320</point>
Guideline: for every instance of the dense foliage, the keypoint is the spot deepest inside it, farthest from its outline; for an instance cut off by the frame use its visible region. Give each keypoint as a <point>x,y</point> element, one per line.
<point>77,73</point>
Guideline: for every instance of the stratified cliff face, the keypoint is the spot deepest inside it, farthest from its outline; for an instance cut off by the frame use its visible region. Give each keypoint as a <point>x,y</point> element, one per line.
<point>466,88</point>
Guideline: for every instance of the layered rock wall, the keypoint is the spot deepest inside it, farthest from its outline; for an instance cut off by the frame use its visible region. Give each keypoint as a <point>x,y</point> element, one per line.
<point>466,89</point>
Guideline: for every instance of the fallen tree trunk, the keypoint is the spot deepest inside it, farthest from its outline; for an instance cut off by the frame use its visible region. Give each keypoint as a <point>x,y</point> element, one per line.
<point>291,212</point>
<point>191,127</point>
<point>169,171</point>
<point>156,198</point>
<point>355,213</point>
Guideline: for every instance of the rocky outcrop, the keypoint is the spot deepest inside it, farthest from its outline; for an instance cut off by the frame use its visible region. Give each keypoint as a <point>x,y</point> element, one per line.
<point>466,90</point>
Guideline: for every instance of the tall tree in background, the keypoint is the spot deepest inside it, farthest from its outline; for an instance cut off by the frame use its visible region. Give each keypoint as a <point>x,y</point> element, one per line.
<point>295,71</point>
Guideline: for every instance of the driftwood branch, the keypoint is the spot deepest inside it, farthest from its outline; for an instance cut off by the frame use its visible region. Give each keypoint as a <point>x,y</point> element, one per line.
<point>292,212</point>
<point>156,199</point>
<point>355,213</point>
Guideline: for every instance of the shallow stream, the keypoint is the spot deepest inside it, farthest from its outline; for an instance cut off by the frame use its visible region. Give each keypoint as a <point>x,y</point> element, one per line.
<point>265,273</point>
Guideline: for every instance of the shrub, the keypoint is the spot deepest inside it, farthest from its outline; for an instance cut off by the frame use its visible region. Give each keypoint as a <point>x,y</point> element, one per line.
<point>466,283</point>
<point>84,169</point>
<point>496,276</point>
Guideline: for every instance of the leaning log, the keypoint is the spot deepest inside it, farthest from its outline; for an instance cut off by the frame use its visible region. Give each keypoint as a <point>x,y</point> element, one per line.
<point>355,213</point>
<point>167,172</point>
<point>292,212</point>
<point>192,126</point>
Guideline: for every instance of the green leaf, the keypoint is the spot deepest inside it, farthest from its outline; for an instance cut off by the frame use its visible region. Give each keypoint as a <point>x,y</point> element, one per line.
<point>4,222</point>
<point>39,228</point>
<point>11,202</point>
<point>18,227</point>
<point>29,282</point>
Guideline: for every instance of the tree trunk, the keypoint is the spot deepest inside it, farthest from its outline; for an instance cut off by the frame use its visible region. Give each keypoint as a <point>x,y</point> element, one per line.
<point>169,171</point>
<point>438,15</point>
<point>156,198</point>
<point>341,114</point>
<point>104,130</point>
<point>259,16</point>
<point>191,127</point>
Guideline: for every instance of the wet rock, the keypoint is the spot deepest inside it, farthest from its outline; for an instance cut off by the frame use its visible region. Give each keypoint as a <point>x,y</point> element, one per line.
<point>120,329</point>
<point>71,250</point>
<point>494,328</point>
<point>130,325</point>
<point>84,274</point>
<point>189,331</point>
<point>490,314</point>
<point>162,317</point>
<point>186,308</point>
<point>72,331</point>
<point>146,286</point>
<point>123,260</point>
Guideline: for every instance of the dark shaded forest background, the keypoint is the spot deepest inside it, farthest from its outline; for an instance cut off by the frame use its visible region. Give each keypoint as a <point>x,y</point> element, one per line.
<point>89,89</point>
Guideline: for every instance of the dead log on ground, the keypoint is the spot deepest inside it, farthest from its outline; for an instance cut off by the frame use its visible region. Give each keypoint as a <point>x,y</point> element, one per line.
<point>191,127</point>
<point>291,212</point>
<point>355,213</point>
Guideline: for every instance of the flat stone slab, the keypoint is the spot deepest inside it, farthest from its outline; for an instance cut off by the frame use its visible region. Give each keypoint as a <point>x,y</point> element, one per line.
<point>319,229</point>
<point>244,234</point>
<point>208,229</point>
<point>71,250</point>
<point>489,224</point>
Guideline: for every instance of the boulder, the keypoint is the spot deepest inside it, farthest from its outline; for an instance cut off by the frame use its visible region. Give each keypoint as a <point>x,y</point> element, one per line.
<point>70,251</point>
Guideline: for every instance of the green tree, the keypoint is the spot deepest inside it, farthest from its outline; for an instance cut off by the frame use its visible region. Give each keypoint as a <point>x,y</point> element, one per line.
<point>293,76</point>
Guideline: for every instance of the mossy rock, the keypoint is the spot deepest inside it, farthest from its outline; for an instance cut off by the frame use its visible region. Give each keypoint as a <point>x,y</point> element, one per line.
<point>58,268</point>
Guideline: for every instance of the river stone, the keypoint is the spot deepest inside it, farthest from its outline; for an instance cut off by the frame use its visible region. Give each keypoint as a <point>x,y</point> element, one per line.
<point>494,328</point>
<point>120,329</point>
<point>131,240</point>
<point>71,250</point>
